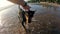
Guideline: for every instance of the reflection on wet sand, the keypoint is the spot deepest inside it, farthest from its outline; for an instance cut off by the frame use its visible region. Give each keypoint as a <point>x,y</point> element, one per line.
<point>48,21</point>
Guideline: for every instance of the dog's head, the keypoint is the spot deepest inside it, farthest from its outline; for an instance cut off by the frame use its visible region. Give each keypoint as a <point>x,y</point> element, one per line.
<point>31,13</point>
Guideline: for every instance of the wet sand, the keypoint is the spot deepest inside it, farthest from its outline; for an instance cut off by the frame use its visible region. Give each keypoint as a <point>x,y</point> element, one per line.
<point>48,21</point>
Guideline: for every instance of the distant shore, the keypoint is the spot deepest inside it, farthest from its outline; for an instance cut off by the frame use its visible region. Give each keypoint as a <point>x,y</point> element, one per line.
<point>51,4</point>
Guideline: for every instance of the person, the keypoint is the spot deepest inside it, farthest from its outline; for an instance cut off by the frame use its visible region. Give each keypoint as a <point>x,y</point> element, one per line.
<point>25,11</point>
<point>22,3</point>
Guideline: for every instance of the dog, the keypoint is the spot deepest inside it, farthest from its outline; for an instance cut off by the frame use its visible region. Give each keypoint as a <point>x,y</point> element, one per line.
<point>26,17</point>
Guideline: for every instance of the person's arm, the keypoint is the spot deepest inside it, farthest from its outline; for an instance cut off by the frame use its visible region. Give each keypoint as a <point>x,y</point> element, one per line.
<point>20,2</point>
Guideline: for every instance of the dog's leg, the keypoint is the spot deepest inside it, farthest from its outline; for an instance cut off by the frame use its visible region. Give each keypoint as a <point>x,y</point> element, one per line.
<point>26,24</point>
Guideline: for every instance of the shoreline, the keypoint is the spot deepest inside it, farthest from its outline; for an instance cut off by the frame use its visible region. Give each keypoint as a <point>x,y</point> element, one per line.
<point>51,4</point>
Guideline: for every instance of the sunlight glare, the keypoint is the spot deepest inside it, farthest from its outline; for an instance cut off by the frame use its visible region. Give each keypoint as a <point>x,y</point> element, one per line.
<point>5,3</point>
<point>0,21</point>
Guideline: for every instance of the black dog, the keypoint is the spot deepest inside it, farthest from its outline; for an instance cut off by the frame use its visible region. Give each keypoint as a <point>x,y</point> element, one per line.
<point>29,15</point>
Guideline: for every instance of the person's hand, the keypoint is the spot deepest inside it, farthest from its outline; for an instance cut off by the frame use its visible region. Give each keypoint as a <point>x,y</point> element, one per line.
<point>27,7</point>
